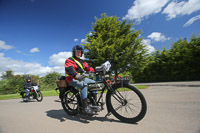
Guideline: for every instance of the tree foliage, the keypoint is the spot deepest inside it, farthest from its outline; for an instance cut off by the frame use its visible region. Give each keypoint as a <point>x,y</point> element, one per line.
<point>7,74</point>
<point>116,41</point>
<point>181,62</point>
<point>49,81</point>
<point>15,84</point>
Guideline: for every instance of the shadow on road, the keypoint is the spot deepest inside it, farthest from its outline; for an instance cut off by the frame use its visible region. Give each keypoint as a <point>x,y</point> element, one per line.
<point>62,116</point>
<point>30,101</point>
<point>58,100</point>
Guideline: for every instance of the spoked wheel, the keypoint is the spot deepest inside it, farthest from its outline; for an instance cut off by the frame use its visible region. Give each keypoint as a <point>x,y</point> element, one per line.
<point>127,103</point>
<point>69,102</point>
<point>39,96</point>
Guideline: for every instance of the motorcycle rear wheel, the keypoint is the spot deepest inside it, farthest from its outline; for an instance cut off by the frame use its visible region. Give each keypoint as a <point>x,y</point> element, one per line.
<point>131,107</point>
<point>70,102</point>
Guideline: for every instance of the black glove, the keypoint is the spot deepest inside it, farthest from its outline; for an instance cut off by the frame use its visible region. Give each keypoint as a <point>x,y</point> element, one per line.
<point>79,77</point>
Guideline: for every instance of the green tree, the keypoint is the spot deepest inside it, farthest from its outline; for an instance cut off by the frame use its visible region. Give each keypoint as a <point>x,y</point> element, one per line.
<point>116,41</point>
<point>49,81</point>
<point>185,58</point>
<point>181,62</point>
<point>7,74</point>
<point>15,84</point>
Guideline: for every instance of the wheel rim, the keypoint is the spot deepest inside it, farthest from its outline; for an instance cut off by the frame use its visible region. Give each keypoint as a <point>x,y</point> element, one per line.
<point>39,97</point>
<point>71,101</point>
<point>130,106</point>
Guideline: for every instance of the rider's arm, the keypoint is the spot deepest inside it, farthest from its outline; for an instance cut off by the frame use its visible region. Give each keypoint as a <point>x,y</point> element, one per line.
<point>70,67</point>
<point>25,85</point>
<point>87,68</point>
<point>33,84</point>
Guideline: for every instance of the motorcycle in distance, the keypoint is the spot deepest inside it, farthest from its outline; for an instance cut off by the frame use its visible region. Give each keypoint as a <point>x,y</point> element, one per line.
<point>122,100</point>
<point>34,93</point>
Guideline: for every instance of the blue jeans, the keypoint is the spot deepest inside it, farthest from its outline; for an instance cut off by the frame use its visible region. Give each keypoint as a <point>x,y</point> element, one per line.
<point>82,85</point>
<point>27,91</point>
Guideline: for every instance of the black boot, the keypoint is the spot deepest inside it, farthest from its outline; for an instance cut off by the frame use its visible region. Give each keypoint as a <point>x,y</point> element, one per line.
<point>95,96</point>
<point>87,109</point>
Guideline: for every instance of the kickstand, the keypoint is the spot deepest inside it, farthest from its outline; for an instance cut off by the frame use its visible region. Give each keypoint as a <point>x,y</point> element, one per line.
<point>108,114</point>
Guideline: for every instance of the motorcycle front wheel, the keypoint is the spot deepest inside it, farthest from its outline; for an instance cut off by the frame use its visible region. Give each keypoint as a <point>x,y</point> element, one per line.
<point>126,103</point>
<point>39,96</point>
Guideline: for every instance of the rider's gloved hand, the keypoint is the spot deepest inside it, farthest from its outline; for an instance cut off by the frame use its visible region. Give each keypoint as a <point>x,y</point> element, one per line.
<point>79,77</point>
<point>91,73</point>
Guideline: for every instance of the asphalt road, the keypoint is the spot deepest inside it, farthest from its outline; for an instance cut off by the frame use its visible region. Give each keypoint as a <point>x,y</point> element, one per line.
<point>171,109</point>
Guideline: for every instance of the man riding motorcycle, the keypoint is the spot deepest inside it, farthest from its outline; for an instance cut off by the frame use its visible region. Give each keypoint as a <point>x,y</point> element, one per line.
<point>27,85</point>
<point>74,68</point>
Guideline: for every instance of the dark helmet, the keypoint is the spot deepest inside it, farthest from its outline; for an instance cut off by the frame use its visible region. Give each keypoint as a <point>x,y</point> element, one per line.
<point>77,47</point>
<point>28,78</point>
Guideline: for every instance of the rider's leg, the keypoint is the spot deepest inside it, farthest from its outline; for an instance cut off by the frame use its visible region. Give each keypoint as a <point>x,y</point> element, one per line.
<point>27,92</point>
<point>82,85</point>
<point>87,80</point>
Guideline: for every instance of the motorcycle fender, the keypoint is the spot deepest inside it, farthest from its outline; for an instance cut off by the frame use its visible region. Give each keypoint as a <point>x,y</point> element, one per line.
<point>108,108</point>
<point>113,86</point>
<point>63,90</point>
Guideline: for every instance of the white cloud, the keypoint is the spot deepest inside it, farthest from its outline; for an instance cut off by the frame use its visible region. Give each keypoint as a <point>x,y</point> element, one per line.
<point>90,34</point>
<point>59,59</point>
<point>191,21</point>
<point>157,36</point>
<point>34,50</point>
<point>141,9</point>
<point>4,46</point>
<point>149,47</point>
<point>83,41</point>
<point>76,40</point>
<point>20,52</point>
<point>21,67</point>
<point>181,8</point>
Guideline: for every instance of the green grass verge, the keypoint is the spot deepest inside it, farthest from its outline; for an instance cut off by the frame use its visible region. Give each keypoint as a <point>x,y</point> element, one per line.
<point>10,96</point>
<point>46,93</point>
<point>141,86</point>
<point>16,96</point>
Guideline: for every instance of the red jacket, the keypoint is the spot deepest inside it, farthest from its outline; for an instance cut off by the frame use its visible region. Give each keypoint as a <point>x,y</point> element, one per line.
<point>72,68</point>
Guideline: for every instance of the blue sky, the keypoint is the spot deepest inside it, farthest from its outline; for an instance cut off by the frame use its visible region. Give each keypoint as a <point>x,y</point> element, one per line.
<point>36,36</point>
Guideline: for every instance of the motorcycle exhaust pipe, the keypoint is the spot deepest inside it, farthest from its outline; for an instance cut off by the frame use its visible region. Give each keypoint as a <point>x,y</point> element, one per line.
<point>95,108</point>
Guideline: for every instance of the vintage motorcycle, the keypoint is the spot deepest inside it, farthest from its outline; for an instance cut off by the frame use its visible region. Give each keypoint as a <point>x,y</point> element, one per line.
<point>34,93</point>
<point>123,100</point>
